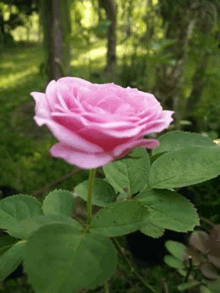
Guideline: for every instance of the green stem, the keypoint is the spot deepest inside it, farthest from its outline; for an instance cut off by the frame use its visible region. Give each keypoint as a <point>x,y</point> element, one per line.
<point>106,288</point>
<point>89,194</point>
<point>133,270</point>
<point>189,270</point>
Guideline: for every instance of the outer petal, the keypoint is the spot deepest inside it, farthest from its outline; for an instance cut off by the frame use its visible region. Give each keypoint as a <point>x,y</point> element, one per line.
<point>74,82</point>
<point>51,95</point>
<point>166,116</point>
<point>159,124</point>
<point>121,150</point>
<point>103,140</point>
<point>78,158</point>
<point>121,129</point>
<point>42,109</point>
<point>70,138</point>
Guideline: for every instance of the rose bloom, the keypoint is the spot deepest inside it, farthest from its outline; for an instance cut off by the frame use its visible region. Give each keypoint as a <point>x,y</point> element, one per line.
<point>98,123</point>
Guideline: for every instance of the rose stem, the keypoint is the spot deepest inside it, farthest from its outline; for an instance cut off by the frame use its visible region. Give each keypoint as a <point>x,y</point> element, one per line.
<point>106,288</point>
<point>89,194</point>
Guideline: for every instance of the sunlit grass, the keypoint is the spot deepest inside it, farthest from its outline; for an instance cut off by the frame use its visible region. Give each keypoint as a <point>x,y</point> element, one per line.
<point>94,57</point>
<point>97,53</point>
<point>8,64</point>
<point>18,65</point>
<point>13,79</point>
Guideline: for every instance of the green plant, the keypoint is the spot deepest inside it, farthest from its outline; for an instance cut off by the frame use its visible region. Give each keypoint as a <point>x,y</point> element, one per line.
<point>198,263</point>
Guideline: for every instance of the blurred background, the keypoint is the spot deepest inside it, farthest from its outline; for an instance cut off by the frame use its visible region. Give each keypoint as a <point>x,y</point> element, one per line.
<point>165,47</point>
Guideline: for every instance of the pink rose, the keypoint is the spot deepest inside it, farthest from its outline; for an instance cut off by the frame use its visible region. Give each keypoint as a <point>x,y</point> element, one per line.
<point>97,123</point>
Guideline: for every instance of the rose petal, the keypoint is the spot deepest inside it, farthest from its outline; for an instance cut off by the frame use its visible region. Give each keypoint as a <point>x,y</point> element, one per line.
<point>72,121</point>
<point>166,116</point>
<point>42,109</point>
<point>70,138</point>
<point>110,103</point>
<point>51,95</point>
<point>158,125</point>
<point>121,150</point>
<point>120,131</point>
<point>102,139</point>
<point>74,82</point>
<point>80,159</point>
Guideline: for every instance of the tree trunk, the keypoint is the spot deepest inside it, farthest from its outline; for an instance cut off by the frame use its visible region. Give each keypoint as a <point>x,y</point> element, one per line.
<point>56,27</point>
<point>110,10</point>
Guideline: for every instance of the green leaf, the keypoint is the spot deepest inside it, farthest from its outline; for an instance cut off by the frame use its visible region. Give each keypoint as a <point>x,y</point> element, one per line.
<point>178,140</point>
<point>185,167</point>
<point>177,249</point>
<point>120,218</point>
<point>11,259</point>
<point>209,271</point>
<point>173,262</point>
<point>25,228</point>
<point>103,192</point>
<point>214,286</point>
<point>16,208</point>
<point>5,248</point>
<point>6,242</point>
<point>152,230</point>
<point>129,175</point>
<point>59,202</point>
<point>185,122</point>
<point>200,241</point>
<point>186,286</point>
<point>60,258</point>
<point>155,157</point>
<point>204,289</point>
<point>169,210</point>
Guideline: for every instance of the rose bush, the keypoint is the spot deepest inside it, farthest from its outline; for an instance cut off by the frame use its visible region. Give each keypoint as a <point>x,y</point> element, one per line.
<point>97,123</point>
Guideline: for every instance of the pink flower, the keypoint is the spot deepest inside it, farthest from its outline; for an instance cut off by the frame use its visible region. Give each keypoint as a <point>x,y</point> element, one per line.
<point>97,123</point>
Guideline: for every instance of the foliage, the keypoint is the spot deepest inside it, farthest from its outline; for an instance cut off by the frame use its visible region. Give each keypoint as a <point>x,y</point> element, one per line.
<point>64,243</point>
<point>14,13</point>
<point>24,6</point>
<point>199,262</point>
